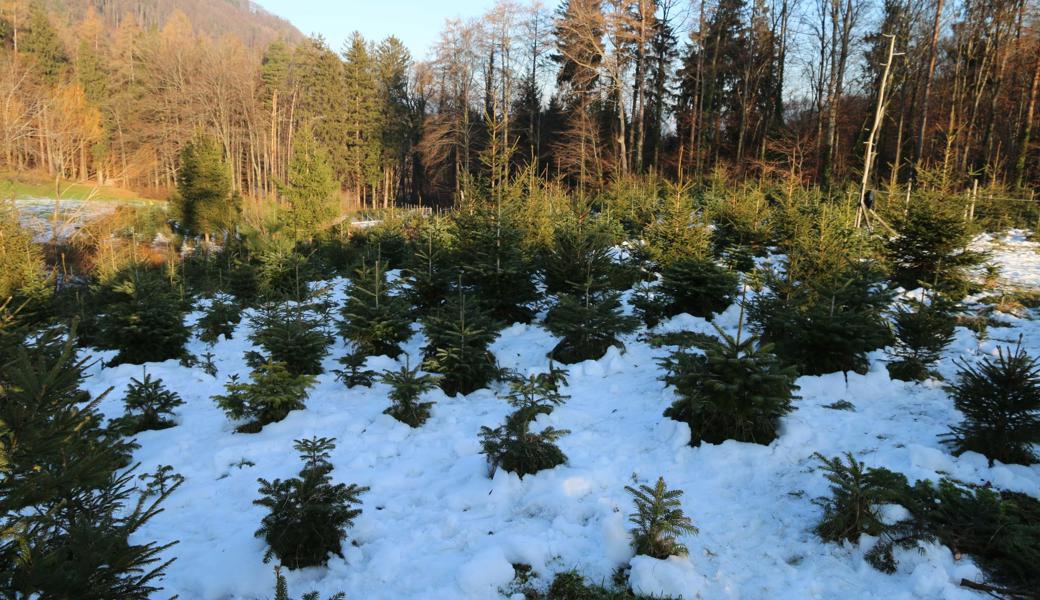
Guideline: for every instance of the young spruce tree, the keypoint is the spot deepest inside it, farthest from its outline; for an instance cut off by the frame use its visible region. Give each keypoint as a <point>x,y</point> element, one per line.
<point>458,339</point>
<point>292,336</point>
<point>375,319</point>
<point>737,389</point>
<point>149,405</point>
<point>1000,399</point>
<point>658,521</point>
<point>309,514</point>
<point>271,395</point>
<point>408,386</point>
<point>513,446</point>
<point>923,330</point>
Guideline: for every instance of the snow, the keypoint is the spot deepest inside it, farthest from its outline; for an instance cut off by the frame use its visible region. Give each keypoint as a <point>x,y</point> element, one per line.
<point>436,526</point>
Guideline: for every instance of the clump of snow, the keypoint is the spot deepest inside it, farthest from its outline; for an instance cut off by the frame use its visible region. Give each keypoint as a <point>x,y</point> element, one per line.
<point>435,526</point>
<point>674,577</point>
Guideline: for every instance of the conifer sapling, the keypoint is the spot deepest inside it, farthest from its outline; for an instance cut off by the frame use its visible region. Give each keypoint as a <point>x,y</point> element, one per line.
<point>375,320</point>
<point>659,521</point>
<point>308,514</point>
<point>1000,399</point>
<point>737,389</point>
<point>513,446</point>
<point>268,398</point>
<point>407,387</point>
<point>148,406</point>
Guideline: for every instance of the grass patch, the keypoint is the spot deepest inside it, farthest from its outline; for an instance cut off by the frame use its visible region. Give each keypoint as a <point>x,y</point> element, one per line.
<point>27,186</point>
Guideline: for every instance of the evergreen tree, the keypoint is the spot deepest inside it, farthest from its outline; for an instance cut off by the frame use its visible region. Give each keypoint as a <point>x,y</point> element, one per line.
<point>205,200</point>
<point>271,395</point>
<point>143,317</point>
<point>854,507</point>
<point>827,324</point>
<point>354,372</point>
<point>42,43</point>
<point>931,247</point>
<point>580,249</point>
<point>458,336</point>
<point>496,271</point>
<point>148,406</point>
<point>407,387</point>
<point>590,320</point>
<point>311,189</point>
<point>1000,399</point>
<point>513,446</point>
<point>281,589</point>
<point>219,319</point>
<point>375,318</point>
<point>698,287</point>
<point>659,520</point>
<point>292,337</point>
<point>323,99</point>
<point>923,330</point>
<point>65,523</point>
<point>308,514</point>
<point>363,120</point>
<point>82,548</point>
<point>430,273</point>
<point>52,443</point>
<point>737,389</point>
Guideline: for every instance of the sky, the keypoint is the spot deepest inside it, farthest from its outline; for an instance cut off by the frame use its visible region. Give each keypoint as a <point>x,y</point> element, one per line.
<point>415,22</point>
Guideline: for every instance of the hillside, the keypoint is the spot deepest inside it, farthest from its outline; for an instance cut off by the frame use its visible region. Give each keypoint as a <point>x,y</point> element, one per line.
<point>252,24</point>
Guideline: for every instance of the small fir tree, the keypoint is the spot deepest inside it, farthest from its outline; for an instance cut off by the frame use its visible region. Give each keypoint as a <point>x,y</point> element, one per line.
<point>87,548</point>
<point>923,330</point>
<point>1000,399</point>
<point>66,519</point>
<point>430,274</point>
<point>579,249</point>
<point>220,319</point>
<point>589,321</point>
<point>496,271</point>
<point>827,324</point>
<point>308,514</point>
<point>408,386</point>
<point>737,389</point>
<point>458,340</point>
<point>513,446</point>
<point>658,521</point>
<point>354,372</point>
<point>698,287</point>
<point>143,318</point>
<point>149,405</point>
<point>269,397</point>
<point>375,320</point>
<point>858,495</point>
<point>931,247</point>
<point>281,589</point>
<point>292,337</point>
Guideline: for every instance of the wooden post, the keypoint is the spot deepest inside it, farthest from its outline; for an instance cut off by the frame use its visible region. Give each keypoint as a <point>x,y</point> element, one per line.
<point>969,209</point>
<point>879,115</point>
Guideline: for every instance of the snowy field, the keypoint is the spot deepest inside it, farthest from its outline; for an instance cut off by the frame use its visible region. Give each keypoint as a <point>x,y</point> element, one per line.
<point>435,526</point>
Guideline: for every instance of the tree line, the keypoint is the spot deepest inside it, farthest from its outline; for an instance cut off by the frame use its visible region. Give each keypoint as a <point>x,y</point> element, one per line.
<point>587,92</point>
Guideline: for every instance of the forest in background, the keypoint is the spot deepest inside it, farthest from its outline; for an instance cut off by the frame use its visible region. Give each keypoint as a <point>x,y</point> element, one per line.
<point>586,93</point>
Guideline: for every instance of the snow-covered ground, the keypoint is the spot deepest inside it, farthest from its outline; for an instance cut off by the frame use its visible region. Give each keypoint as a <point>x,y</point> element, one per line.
<point>435,526</point>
